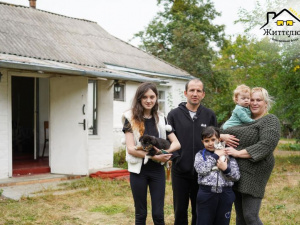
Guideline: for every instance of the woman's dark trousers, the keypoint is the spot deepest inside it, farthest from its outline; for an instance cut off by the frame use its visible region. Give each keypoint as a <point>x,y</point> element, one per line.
<point>154,177</point>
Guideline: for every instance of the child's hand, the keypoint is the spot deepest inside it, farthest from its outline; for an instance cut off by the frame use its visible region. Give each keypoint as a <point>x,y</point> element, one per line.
<point>222,165</point>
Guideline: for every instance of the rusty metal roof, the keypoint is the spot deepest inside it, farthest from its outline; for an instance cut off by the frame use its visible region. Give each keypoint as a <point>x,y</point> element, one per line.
<point>41,35</point>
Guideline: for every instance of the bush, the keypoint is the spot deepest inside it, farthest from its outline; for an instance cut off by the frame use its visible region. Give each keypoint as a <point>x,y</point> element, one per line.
<point>289,147</point>
<point>119,159</point>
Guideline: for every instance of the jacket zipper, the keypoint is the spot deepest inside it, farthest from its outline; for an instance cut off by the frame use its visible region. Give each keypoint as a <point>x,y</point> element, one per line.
<point>193,146</point>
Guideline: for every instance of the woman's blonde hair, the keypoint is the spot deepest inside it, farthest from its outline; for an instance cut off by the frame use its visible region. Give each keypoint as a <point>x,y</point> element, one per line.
<point>240,89</point>
<point>266,97</point>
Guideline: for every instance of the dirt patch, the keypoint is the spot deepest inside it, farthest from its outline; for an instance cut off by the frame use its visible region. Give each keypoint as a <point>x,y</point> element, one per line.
<point>2,198</point>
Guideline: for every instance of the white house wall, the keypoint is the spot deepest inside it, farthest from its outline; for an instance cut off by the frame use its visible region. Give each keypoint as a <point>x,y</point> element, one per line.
<point>5,156</point>
<point>101,145</point>
<point>119,108</point>
<point>174,95</point>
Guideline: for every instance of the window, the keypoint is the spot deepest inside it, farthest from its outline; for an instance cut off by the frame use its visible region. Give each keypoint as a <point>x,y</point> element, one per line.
<point>119,90</point>
<point>162,101</point>
<point>92,107</point>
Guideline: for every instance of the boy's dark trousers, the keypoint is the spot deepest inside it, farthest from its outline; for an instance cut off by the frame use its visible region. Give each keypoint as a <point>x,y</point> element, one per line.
<point>214,208</point>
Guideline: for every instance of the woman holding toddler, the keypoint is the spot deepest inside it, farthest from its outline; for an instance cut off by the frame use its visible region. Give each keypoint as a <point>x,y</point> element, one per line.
<point>254,154</point>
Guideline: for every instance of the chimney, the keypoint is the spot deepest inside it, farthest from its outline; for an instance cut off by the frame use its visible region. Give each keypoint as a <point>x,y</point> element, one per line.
<point>32,4</point>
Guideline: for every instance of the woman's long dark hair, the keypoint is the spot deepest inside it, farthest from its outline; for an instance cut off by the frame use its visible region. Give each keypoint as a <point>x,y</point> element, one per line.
<point>138,109</point>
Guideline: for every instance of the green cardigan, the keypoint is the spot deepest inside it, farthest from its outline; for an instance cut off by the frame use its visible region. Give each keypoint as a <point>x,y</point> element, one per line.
<point>260,139</point>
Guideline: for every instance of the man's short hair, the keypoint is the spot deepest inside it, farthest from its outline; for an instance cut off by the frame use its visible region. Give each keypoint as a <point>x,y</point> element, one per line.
<point>196,80</point>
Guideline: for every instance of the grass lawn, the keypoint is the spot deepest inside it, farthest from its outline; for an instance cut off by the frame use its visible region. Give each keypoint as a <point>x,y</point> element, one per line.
<point>109,202</point>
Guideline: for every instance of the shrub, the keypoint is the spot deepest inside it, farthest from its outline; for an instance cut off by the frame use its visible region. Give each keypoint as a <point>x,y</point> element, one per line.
<point>289,147</point>
<point>119,159</point>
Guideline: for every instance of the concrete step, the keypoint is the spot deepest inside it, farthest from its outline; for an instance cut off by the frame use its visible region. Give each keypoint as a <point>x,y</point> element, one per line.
<point>39,178</point>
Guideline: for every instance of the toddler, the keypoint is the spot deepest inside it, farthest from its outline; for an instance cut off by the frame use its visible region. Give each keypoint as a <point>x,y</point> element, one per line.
<point>241,113</point>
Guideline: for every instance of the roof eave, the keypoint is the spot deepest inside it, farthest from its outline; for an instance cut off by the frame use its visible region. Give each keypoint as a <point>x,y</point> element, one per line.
<point>75,71</point>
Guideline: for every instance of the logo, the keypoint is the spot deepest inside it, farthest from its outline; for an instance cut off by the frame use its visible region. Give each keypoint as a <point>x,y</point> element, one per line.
<point>283,26</point>
<point>227,215</point>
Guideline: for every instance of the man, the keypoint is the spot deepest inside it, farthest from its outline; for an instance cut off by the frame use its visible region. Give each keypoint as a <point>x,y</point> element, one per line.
<point>188,120</point>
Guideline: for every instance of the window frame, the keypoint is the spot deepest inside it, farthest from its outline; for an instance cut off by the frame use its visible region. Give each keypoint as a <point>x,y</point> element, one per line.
<point>162,100</point>
<point>94,108</point>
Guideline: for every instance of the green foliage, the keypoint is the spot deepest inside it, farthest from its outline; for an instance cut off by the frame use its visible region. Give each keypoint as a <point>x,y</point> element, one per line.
<point>243,61</point>
<point>285,66</point>
<point>288,104</point>
<point>289,147</point>
<point>1,192</point>
<point>254,18</point>
<point>183,34</point>
<point>120,159</point>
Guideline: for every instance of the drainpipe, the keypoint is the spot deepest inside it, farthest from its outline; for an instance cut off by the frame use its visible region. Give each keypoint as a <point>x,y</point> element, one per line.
<point>32,4</point>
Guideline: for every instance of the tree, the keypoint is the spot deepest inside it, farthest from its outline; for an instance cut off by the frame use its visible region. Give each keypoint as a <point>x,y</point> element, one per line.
<point>255,18</point>
<point>245,61</point>
<point>285,83</point>
<point>183,34</point>
<point>287,105</point>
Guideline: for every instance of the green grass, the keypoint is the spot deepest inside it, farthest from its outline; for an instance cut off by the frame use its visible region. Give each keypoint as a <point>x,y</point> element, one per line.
<point>110,202</point>
<point>110,209</point>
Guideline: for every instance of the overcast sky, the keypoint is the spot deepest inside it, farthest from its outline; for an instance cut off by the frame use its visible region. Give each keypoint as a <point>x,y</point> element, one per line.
<point>123,18</point>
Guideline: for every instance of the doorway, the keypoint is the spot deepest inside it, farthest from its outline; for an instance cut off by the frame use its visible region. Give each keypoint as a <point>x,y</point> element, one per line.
<point>26,132</point>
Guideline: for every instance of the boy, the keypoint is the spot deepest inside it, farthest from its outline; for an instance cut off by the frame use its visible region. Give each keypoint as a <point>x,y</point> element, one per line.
<point>215,194</point>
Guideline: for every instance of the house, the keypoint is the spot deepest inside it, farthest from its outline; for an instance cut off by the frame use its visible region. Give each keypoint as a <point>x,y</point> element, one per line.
<point>72,77</point>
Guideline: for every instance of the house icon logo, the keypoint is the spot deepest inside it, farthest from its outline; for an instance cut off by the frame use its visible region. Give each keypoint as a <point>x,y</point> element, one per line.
<point>283,26</point>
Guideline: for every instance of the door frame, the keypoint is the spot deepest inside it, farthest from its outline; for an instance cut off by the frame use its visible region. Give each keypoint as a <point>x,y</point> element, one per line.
<point>10,74</point>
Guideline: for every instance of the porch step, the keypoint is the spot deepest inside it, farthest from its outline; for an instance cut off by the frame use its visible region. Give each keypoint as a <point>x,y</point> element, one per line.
<point>30,166</point>
<point>30,171</point>
<point>114,174</point>
<point>33,179</point>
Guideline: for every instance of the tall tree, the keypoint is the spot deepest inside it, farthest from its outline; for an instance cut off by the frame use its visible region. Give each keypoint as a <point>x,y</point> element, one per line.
<point>245,61</point>
<point>285,83</point>
<point>252,19</point>
<point>184,35</point>
<point>287,105</point>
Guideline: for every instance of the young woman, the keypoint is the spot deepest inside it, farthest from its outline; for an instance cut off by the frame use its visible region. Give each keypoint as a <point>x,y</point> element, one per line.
<point>144,118</point>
